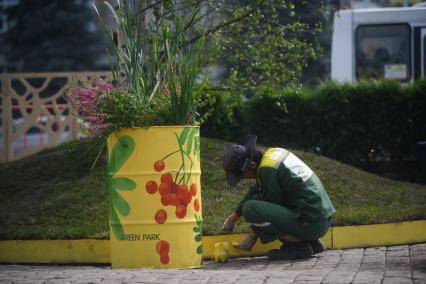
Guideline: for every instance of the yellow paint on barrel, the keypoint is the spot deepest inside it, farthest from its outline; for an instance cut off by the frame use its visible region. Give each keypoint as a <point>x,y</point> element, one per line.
<point>155,197</point>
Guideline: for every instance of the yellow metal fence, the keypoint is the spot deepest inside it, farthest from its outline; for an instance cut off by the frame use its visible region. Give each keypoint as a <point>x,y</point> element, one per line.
<point>34,114</point>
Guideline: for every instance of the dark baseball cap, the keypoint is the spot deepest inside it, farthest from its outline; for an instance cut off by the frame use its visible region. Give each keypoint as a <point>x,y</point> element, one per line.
<point>237,157</point>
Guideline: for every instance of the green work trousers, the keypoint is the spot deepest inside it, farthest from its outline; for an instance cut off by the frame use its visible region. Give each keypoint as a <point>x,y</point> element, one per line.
<point>270,221</point>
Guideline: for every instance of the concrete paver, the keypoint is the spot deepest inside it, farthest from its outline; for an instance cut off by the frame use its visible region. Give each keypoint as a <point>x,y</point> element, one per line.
<point>382,265</point>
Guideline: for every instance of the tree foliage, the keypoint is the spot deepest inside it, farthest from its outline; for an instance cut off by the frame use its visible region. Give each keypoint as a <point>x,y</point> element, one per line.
<point>271,44</point>
<point>260,43</point>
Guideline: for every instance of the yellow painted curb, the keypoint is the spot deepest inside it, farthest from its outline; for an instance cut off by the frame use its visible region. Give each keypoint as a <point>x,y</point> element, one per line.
<point>55,251</point>
<point>98,251</point>
<point>379,234</point>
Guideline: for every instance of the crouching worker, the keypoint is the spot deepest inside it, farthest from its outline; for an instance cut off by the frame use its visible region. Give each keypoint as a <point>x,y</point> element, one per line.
<point>288,202</point>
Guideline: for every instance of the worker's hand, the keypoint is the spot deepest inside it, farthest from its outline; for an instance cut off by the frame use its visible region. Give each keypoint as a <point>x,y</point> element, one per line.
<point>229,225</point>
<point>247,243</point>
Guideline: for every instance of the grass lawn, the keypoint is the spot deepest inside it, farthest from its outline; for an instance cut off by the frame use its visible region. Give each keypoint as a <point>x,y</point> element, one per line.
<point>54,195</point>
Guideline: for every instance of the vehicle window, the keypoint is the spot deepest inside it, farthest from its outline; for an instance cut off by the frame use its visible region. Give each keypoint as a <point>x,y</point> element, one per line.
<point>2,23</point>
<point>424,56</point>
<point>383,51</point>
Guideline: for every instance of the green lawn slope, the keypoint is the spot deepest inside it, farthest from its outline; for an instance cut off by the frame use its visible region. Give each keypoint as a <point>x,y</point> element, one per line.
<point>55,195</point>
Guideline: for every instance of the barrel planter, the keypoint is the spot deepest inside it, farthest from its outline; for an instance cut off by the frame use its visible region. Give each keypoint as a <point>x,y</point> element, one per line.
<point>154,190</point>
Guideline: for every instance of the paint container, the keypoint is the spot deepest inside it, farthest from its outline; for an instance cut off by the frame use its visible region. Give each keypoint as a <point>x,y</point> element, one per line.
<point>221,252</point>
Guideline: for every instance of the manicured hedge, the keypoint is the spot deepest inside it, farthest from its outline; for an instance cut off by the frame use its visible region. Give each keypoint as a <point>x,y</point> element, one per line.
<point>221,115</point>
<point>342,121</point>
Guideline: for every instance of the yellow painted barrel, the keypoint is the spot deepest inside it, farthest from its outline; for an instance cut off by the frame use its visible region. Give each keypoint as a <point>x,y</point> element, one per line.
<point>155,197</point>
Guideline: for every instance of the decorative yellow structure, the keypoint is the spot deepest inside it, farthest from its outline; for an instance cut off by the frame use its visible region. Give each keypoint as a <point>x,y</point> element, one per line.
<point>34,114</point>
<point>155,197</point>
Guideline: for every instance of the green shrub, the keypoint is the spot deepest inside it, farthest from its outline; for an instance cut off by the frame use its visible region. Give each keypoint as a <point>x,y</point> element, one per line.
<point>353,123</point>
<point>221,114</point>
<point>275,118</point>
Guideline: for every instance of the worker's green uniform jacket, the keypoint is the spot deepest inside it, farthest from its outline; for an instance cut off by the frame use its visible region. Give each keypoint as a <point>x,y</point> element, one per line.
<point>285,180</point>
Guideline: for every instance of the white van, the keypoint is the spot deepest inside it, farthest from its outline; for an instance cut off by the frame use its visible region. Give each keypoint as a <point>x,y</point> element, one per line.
<point>380,43</point>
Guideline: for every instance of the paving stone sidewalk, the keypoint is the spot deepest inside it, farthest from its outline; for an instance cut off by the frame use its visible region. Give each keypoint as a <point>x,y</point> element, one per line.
<point>382,265</point>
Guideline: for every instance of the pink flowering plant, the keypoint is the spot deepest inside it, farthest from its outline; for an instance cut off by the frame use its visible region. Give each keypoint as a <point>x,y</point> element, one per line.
<point>155,75</point>
<point>86,103</point>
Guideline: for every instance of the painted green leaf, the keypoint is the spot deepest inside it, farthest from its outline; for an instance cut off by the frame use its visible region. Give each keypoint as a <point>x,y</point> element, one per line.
<point>193,131</point>
<point>196,145</point>
<point>120,154</point>
<point>196,229</point>
<point>195,149</point>
<point>122,184</point>
<point>189,144</point>
<point>197,141</point>
<point>183,136</point>
<point>197,238</point>
<point>116,226</point>
<point>199,249</point>
<point>194,134</point>
<point>119,203</point>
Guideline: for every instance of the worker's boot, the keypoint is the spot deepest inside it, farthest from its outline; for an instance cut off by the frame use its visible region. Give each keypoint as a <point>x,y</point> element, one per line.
<point>317,246</point>
<point>289,251</point>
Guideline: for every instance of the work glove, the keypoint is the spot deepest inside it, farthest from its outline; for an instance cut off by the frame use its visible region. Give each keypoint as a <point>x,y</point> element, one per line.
<point>228,225</point>
<point>247,243</point>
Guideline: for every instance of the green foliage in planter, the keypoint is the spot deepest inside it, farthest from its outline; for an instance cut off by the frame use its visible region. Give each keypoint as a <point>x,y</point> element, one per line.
<point>183,65</point>
<point>155,66</point>
<point>128,110</point>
